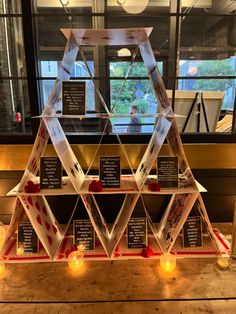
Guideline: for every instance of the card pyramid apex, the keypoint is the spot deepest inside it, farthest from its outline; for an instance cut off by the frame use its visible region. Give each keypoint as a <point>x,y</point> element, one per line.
<point>122,36</point>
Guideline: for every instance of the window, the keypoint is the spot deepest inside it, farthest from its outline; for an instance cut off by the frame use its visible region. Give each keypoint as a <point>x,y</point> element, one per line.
<point>49,70</point>
<point>14,100</point>
<point>193,42</point>
<point>207,63</point>
<point>136,91</point>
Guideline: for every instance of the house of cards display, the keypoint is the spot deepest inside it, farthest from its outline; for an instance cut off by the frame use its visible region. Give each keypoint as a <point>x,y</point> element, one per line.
<point>121,239</point>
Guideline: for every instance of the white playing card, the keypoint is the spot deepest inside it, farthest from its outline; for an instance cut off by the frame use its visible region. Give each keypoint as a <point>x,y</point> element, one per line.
<point>203,213</point>
<point>64,74</point>
<point>97,219</point>
<point>65,153</point>
<point>174,218</point>
<point>121,221</point>
<point>17,216</point>
<point>33,163</point>
<point>109,239</point>
<point>43,221</point>
<point>151,153</point>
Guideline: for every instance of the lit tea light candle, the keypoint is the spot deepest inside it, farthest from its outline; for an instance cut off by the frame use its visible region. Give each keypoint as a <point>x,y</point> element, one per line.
<point>20,250</point>
<point>76,260</point>
<point>2,265</point>
<point>81,247</point>
<point>168,262</point>
<point>223,262</point>
<point>2,233</point>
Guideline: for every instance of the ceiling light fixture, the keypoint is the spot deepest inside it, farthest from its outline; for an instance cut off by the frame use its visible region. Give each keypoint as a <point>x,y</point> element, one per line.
<point>133,6</point>
<point>124,52</point>
<point>64,2</point>
<point>120,2</point>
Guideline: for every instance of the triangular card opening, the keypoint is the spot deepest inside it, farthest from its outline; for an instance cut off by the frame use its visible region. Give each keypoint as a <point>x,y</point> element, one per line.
<point>173,219</point>
<point>10,237</point>
<point>109,237</point>
<point>158,137</point>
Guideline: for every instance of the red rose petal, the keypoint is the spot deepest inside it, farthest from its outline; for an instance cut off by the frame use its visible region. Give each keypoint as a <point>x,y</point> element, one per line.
<point>147,252</point>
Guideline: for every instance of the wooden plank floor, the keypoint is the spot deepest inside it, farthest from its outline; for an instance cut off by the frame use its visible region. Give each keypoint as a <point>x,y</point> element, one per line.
<point>116,287</point>
<point>219,307</point>
<point>196,286</point>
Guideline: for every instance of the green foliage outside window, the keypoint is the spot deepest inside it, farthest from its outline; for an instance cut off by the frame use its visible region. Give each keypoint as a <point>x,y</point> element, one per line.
<point>123,92</point>
<point>216,68</point>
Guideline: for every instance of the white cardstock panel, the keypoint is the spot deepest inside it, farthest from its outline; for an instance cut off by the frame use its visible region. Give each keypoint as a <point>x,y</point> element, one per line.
<point>205,219</point>
<point>160,132</point>
<point>173,219</point>
<point>43,221</point>
<point>17,216</point>
<point>165,108</point>
<point>110,239</point>
<point>65,153</point>
<point>121,221</point>
<point>64,74</point>
<point>33,163</point>
<point>97,220</point>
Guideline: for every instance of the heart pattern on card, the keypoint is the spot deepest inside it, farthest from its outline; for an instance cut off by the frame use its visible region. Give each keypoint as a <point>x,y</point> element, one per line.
<point>37,205</point>
<point>39,220</point>
<point>44,210</point>
<point>54,229</point>
<point>50,240</point>
<point>29,200</point>
<point>48,226</point>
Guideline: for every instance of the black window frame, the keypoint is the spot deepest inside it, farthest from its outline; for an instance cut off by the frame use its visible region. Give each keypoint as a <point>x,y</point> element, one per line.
<point>28,16</point>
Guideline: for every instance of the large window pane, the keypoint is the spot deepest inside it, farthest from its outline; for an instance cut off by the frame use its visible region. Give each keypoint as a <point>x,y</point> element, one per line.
<point>191,68</point>
<point>14,106</point>
<point>137,69</point>
<point>206,37</point>
<point>159,36</point>
<point>70,7</point>
<point>14,102</point>
<point>152,7</point>
<point>207,49</point>
<point>218,101</point>
<point>10,7</point>
<point>228,86</point>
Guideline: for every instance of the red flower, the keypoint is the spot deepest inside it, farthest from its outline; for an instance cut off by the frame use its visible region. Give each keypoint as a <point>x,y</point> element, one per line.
<point>154,186</point>
<point>71,249</point>
<point>95,186</point>
<point>32,187</point>
<point>147,252</point>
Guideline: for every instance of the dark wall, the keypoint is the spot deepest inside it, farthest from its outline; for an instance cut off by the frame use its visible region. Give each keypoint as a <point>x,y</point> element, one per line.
<point>219,200</point>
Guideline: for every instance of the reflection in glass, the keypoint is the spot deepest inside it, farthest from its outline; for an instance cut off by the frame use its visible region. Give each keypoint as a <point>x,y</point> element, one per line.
<point>16,118</point>
<point>226,85</point>
<point>14,104</point>
<point>191,68</point>
<point>202,111</point>
<point>10,7</point>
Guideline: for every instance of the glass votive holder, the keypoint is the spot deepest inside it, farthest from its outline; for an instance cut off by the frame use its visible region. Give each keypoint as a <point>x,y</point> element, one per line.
<point>20,250</point>
<point>76,260</point>
<point>2,265</point>
<point>167,262</point>
<point>2,233</point>
<point>223,262</point>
